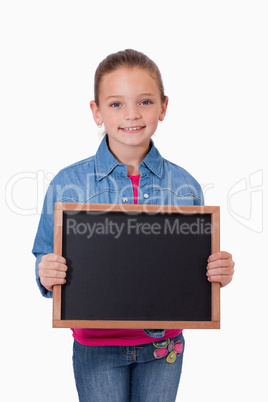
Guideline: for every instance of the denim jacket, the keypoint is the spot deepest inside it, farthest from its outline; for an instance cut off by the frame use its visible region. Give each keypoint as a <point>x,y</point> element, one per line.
<point>102,179</point>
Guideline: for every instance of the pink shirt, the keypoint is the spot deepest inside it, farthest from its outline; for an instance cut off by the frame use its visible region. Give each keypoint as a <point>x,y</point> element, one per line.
<point>119,337</point>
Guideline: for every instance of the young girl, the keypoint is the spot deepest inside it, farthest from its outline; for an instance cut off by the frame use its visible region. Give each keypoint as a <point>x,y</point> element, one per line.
<point>121,365</point>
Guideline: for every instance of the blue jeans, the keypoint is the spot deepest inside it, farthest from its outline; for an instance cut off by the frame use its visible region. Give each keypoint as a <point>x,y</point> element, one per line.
<point>128,373</point>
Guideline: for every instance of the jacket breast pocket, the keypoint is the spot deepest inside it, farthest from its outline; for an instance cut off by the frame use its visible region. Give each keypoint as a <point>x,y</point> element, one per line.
<point>167,196</point>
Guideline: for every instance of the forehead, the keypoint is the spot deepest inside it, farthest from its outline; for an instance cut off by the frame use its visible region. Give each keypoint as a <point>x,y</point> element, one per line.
<point>126,79</point>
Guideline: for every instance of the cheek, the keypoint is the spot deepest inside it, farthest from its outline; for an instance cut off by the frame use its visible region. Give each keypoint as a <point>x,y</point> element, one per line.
<point>152,118</point>
<point>110,120</point>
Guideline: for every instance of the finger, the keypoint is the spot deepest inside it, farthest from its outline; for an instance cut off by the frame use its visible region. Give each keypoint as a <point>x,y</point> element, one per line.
<point>221,268</point>
<point>49,283</point>
<point>57,266</point>
<point>217,278</point>
<point>219,255</point>
<point>219,271</point>
<point>48,273</point>
<point>51,265</point>
<point>54,258</point>
<point>222,279</point>
<point>219,263</point>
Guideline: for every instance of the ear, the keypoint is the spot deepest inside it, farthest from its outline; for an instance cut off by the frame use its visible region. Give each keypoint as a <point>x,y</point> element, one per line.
<point>96,113</point>
<point>163,109</point>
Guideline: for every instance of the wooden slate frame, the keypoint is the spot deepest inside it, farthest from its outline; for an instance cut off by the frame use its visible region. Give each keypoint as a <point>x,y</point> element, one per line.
<point>166,210</point>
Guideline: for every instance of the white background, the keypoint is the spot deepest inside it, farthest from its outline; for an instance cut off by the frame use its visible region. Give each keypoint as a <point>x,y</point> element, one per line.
<point>213,59</point>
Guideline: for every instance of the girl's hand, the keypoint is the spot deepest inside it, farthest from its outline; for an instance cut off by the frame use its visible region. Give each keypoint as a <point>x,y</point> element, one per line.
<point>52,270</point>
<point>220,268</point>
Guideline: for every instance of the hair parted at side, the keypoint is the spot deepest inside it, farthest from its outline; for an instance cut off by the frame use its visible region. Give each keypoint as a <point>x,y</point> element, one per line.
<point>127,58</point>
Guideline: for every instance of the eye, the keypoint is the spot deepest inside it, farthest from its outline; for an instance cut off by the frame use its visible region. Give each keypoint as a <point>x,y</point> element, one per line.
<point>146,102</point>
<point>115,104</point>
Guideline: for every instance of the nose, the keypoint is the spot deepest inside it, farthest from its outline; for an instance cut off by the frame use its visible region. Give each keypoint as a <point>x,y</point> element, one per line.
<point>132,113</point>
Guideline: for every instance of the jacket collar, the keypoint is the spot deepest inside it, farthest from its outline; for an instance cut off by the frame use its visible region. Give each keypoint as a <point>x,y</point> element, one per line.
<point>106,162</point>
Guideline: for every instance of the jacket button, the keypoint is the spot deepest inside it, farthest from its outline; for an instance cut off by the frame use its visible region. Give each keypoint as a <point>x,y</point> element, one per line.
<point>125,199</point>
<point>146,196</point>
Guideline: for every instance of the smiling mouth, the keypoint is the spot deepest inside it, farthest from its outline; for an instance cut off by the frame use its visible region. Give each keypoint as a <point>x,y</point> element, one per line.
<point>132,128</point>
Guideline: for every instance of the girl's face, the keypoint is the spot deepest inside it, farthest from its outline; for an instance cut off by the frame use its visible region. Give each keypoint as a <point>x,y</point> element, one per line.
<point>129,106</point>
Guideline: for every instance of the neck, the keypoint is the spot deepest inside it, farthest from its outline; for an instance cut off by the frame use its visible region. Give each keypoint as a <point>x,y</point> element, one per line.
<point>131,156</point>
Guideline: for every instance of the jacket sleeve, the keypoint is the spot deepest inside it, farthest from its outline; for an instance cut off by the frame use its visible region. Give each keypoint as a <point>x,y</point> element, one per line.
<point>44,239</point>
<point>200,196</point>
